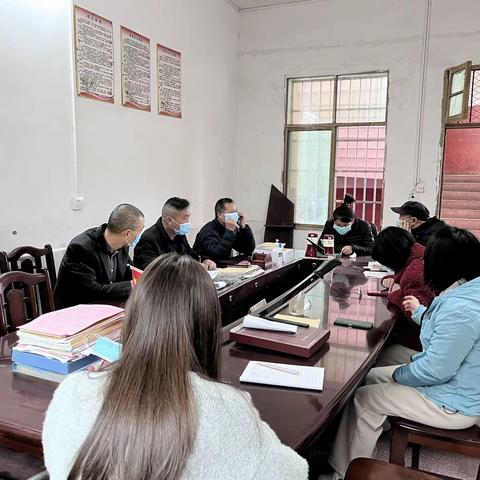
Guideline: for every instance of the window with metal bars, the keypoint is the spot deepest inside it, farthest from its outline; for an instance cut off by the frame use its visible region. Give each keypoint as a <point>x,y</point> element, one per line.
<point>335,145</point>
<point>460,183</point>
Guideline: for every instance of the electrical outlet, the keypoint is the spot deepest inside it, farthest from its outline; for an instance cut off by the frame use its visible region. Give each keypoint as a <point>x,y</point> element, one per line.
<point>420,187</point>
<point>77,203</point>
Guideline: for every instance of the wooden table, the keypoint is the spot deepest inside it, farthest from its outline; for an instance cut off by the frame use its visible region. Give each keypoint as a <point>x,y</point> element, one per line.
<point>297,417</point>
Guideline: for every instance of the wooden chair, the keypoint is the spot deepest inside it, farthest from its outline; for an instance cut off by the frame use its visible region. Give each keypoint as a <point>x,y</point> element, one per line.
<point>403,432</point>
<point>371,469</point>
<point>4,263</point>
<point>31,260</point>
<point>20,298</point>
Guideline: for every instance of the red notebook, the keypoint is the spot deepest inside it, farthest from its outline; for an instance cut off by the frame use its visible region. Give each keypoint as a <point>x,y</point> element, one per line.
<point>304,343</point>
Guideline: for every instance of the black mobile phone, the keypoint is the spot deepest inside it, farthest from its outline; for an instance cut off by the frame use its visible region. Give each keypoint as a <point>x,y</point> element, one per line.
<point>348,322</point>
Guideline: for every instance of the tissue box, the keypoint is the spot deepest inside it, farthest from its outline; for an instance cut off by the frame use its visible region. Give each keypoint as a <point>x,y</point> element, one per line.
<point>280,256</point>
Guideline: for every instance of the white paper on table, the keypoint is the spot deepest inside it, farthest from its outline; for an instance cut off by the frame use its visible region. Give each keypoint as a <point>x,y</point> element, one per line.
<point>374,274</point>
<point>251,321</point>
<point>293,376</point>
<point>376,267</point>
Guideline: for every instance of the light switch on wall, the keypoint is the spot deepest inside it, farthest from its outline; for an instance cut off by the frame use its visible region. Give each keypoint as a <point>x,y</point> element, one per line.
<point>420,187</point>
<point>77,203</point>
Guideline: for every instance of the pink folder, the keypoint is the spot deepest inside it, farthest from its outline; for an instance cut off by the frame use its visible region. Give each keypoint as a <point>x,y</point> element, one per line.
<point>69,321</point>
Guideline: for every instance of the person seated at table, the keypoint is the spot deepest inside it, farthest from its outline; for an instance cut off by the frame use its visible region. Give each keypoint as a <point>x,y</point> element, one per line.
<point>162,411</point>
<point>168,234</point>
<point>415,217</point>
<point>396,249</point>
<point>351,235</point>
<point>95,265</point>
<point>228,231</point>
<point>440,386</point>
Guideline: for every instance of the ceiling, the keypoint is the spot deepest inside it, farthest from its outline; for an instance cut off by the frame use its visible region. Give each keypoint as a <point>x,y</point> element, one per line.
<point>247,4</point>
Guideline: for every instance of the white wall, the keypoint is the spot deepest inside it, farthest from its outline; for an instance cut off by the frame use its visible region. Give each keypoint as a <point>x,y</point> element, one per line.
<point>123,154</point>
<point>230,141</point>
<point>338,37</point>
<point>36,135</point>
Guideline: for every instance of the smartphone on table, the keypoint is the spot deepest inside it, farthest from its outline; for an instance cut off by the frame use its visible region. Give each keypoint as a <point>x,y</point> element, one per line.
<point>349,322</point>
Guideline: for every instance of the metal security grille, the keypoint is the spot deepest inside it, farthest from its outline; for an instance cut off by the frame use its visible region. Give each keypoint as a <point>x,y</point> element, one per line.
<point>474,107</point>
<point>359,167</point>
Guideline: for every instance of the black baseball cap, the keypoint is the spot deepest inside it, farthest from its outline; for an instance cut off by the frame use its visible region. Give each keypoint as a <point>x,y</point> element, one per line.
<point>415,209</point>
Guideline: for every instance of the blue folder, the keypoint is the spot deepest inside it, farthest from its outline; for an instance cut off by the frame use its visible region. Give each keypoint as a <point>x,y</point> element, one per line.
<point>50,364</point>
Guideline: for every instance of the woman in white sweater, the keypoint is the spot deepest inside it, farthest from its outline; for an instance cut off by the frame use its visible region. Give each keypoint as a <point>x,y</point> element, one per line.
<point>161,411</point>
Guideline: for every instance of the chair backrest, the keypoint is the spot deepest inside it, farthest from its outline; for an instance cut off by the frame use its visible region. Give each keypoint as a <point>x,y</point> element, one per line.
<point>21,299</point>
<point>4,268</point>
<point>32,260</point>
<point>371,469</point>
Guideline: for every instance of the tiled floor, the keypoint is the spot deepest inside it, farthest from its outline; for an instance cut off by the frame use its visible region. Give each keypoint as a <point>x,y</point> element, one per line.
<point>435,461</point>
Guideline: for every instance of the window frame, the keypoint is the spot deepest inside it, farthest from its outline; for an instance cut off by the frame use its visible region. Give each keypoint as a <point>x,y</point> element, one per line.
<point>446,125</point>
<point>333,127</point>
<point>467,66</point>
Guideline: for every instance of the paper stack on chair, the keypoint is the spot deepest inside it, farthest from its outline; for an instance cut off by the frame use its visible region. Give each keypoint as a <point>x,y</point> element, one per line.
<point>59,342</point>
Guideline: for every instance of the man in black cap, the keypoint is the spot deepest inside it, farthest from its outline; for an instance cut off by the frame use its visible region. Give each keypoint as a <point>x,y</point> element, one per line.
<point>415,217</point>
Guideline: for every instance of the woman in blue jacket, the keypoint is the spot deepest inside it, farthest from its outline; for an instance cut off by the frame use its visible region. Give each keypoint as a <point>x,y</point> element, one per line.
<point>441,386</point>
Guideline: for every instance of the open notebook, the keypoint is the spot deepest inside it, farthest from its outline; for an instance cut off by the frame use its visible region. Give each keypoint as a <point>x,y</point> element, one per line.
<point>283,375</point>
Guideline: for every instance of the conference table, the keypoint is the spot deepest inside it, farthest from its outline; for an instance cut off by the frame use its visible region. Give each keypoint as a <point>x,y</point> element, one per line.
<point>297,416</point>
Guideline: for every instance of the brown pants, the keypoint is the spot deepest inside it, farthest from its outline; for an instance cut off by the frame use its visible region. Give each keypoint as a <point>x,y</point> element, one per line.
<point>365,414</point>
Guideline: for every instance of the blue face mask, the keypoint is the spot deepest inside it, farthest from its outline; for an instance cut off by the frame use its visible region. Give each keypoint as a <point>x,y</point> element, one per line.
<point>232,217</point>
<point>342,230</point>
<point>398,223</point>
<point>184,228</point>
<point>107,349</point>
<point>135,240</point>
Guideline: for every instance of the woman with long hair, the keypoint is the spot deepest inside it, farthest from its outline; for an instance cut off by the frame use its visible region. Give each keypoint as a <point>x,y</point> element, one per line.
<point>440,386</point>
<point>396,249</point>
<point>161,411</point>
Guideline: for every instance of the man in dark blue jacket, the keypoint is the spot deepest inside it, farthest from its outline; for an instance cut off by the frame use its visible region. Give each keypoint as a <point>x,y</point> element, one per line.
<point>227,232</point>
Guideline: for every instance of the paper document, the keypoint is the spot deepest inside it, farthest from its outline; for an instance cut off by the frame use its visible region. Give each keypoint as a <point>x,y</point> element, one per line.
<point>69,321</point>
<point>251,321</point>
<point>311,322</point>
<point>238,270</point>
<point>376,266</point>
<point>283,375</point>
<point>374,274</point>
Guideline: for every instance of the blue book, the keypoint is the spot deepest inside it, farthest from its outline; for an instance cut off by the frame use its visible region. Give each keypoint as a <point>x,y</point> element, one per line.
<point>50,364</point>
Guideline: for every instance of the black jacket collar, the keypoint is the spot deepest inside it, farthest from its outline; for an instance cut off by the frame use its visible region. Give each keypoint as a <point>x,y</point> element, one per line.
<point>102,244</point>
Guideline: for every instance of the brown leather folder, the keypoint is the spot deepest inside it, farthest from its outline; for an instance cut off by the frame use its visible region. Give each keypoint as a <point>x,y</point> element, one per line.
<point>304,343</point>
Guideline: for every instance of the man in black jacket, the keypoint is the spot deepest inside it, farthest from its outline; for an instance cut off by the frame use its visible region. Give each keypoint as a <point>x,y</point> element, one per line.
<point>168,234</point>
<point>95,265</point>
<point>351,234</point>
<point>415,218</point>
<point>227,232</point>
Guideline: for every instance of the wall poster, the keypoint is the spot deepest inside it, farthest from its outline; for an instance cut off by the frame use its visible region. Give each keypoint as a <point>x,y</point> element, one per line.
<point>136,81</point>
<point>169,72</point>
<point>93,55</point>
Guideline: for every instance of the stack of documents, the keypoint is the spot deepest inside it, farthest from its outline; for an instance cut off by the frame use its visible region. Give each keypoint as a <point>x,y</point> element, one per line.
<point>59,342</point>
